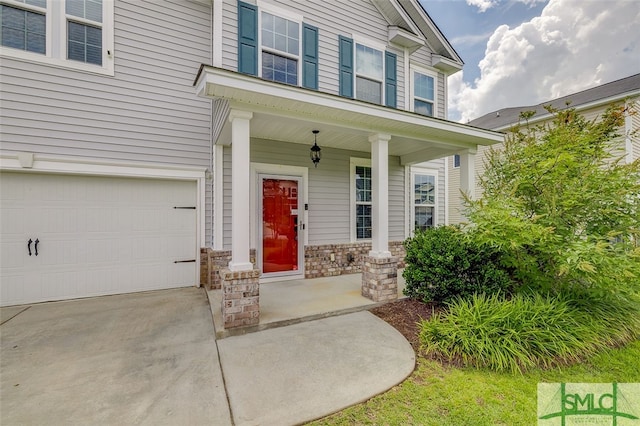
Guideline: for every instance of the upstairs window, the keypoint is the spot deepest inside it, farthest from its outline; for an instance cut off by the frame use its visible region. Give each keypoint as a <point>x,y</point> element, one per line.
<point>369,74</point>
<point>84,30</point>
<point>72,33</point>
<point>280,49</point>
<point>277,45</point>
<point>424,93</point>
<point>372,71</point>
<point>25,28</point>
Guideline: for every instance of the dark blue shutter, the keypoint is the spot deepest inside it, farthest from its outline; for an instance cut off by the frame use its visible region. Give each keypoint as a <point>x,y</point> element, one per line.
<point>309,56</point>
<point>247,38</point>
<point>390,79</point>
<point>345,51</point>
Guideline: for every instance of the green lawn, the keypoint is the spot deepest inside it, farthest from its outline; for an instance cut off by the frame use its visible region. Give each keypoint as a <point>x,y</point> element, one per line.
<point>437,395</point>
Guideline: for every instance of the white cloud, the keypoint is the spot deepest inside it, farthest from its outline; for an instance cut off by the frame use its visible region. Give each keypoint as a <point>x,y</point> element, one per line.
<point>572,46</point>
<point>484,5</point>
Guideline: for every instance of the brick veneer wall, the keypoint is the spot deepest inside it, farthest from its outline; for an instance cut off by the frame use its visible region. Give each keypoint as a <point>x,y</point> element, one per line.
<point>214,261</point>
<point>347,259</point>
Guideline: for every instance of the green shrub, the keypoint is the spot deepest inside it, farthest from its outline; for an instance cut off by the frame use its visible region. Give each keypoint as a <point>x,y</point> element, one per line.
<point>525,331</point>
<point>561,203</point>
<point>441,263</point>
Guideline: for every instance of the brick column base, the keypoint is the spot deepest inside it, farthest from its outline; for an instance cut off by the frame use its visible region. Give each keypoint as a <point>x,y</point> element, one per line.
<point>240,297</point>
<point>380,278</point>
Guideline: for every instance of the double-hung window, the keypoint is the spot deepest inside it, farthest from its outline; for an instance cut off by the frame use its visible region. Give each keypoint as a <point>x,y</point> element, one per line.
<point>66,33</point>
<point>424,92</point>
<point>367,71</point>
<point>360,199</point>
<point>274,43</point>
<point>423,199</point>
<point>24,26</point>
<point>369,74</point>
<point>280,49</point>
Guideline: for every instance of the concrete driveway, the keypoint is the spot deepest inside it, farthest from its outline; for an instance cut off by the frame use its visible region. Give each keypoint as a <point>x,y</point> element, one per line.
<point>146,358</point>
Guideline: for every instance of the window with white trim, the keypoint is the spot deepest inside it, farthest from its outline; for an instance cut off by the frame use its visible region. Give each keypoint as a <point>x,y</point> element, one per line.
<point>361,191</point>
<point>280,42</point>
<point>369,72</point>
<point>67,33</point>
<point>423,200</point>
<point>423,92</point>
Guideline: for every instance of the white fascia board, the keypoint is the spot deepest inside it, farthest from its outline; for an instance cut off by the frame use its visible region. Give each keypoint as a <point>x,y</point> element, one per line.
<point>213,82</point>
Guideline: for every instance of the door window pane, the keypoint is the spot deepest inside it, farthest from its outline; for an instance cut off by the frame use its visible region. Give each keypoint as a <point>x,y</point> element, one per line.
<point>279,225</point>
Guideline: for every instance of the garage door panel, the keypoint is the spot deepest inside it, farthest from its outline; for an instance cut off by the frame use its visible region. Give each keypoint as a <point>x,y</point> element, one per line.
<point>96,236</point>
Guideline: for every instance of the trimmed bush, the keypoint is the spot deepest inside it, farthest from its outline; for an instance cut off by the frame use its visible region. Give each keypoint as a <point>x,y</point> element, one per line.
<point>528,330</point>
<point>442,263</point>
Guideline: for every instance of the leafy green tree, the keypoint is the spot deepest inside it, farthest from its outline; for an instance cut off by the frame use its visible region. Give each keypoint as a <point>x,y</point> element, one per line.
<point>562,204</point>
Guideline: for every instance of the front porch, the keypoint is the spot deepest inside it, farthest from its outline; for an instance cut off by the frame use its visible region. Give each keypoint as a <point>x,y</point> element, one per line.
<point>293,301</point>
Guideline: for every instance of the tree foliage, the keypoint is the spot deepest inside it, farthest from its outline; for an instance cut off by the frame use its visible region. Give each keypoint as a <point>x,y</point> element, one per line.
<point>563,205</point>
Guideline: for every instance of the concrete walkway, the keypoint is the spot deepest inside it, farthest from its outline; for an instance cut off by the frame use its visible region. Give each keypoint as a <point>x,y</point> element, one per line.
<point>151,358</point>
<point>289,375</point>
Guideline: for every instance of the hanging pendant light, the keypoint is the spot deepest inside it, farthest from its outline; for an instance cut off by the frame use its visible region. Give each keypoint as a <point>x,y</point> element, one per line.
<point>315,153</point>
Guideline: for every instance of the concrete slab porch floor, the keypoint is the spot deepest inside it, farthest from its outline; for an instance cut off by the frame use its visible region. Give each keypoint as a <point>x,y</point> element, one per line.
<point>300,300</point>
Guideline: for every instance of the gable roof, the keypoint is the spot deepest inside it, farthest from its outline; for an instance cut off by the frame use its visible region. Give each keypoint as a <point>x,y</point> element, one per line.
<point>599,95</point>
<point>411,16</point>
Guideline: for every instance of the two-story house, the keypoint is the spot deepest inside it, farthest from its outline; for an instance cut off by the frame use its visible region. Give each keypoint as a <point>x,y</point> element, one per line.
<point>146,143</point>
<point>590,102</point>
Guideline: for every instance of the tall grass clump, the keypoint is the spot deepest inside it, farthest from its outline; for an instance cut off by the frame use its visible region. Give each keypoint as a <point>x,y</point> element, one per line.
<point>525,331</point>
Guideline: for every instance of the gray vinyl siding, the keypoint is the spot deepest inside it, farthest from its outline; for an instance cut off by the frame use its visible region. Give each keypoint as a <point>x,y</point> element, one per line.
<point>358,18</point>
<point>454,193</point>
<point>441,108</point>
<point>148,112</point>
<point>635,129</point>
<point>397,201</point>
<point>329,219</point>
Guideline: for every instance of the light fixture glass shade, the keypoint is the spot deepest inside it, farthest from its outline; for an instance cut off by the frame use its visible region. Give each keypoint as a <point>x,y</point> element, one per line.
<point>315,154</point>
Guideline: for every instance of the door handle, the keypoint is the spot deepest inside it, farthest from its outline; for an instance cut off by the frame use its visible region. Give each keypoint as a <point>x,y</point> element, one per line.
<point>29,245</point>
<point>37,241</point>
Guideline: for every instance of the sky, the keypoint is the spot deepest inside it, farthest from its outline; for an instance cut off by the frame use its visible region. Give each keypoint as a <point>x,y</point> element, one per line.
<point>524,52</point>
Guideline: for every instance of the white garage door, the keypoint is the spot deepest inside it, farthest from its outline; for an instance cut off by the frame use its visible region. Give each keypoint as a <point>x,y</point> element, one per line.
<point>66,237</point>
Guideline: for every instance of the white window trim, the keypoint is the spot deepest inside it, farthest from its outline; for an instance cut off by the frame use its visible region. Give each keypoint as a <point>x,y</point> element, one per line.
<point>56,52</point>
<point>410,204</point>
<point>430,73</point>
<point>286,14</point>
<point>353,163</point>
<point>373,45</point>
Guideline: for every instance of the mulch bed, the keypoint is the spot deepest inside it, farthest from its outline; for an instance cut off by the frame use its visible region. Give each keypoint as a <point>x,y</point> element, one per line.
<point>404,315</point>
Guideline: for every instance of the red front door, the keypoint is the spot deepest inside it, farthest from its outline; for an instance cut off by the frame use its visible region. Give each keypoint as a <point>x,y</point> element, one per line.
<point>279,225</point>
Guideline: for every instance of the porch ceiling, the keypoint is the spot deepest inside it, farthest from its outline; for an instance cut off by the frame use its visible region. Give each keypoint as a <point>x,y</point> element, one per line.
<point>287,113</point>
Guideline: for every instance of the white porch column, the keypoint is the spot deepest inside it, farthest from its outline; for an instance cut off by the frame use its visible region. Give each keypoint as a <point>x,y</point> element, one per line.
<point>468,171</point>
<point>240,187</point>
<point>380,195</point>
